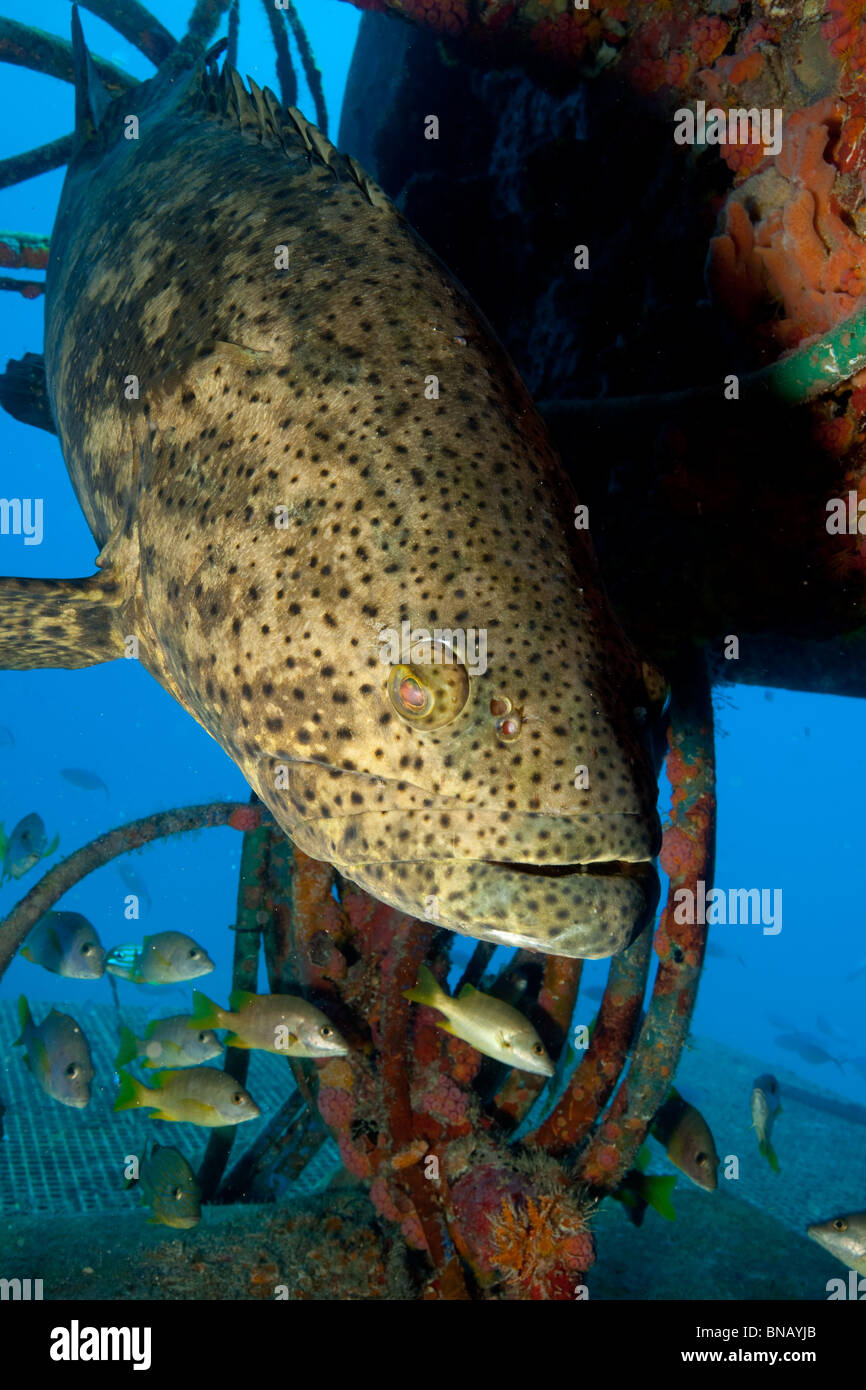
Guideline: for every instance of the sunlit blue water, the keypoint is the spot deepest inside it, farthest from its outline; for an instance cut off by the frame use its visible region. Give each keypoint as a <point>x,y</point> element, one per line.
<point>791,767</point>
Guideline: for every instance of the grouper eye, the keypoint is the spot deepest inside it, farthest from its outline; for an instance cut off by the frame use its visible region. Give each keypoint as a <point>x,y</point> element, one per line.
<point>432,690</point>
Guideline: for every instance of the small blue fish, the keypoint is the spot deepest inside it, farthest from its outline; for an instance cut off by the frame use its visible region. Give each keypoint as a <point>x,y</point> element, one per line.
<point>807,1048</point>
<point>722,953</point>
<point>168,1186</point>
<point>169,1042</point>
<point>765,1106</point>
<point>58,1055</point>
<point>196,1096</point>
<point>830,1031</point>
<point>25,847</point>
<point>67,944</point>
<point>7,738</point>
<point>165,958</point>
<point>87,781</point>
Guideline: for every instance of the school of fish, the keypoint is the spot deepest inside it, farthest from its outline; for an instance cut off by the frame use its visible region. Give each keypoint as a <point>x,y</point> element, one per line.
<point>317,443</point>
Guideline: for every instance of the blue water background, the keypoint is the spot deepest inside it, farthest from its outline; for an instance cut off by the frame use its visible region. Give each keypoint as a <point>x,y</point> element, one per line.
<point>791,767</point>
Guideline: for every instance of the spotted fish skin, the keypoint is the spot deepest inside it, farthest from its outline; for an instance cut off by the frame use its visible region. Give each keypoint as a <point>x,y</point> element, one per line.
<point>307,389</point>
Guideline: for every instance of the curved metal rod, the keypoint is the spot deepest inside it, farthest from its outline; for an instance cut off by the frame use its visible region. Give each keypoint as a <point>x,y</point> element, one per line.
<point>801,375</point>
<point>476,965</point>
<point>311,72</point>
<point>252,882</point>
<point>556,999</point>
<point>688,854</point>
<point>136,24</point>
<point>203,23</point>
<point>598,1071</point>
<point>40,160</point>
<point>410,943</point>
<point>124,838</point>
<point>24,250</point>
<point>33,48</point>
<point>234,33</point>
<point>285,71</point>
<point>30,289</point>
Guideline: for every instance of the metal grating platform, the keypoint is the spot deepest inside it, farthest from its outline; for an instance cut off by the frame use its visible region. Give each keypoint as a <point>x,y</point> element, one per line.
<point>57,1159</point>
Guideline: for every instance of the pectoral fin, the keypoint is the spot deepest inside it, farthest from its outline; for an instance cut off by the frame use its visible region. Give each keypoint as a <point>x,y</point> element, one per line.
<point>60,622</point>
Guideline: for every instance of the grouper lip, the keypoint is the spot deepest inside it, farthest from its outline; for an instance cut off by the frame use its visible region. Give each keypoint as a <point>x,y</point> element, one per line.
<point>576,914</point>
<point>524,841</point>
<point>629,868</point>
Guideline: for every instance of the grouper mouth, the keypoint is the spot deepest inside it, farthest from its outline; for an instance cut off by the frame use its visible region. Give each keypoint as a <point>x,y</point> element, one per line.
<point>609,866</point>
<point>598,890</point>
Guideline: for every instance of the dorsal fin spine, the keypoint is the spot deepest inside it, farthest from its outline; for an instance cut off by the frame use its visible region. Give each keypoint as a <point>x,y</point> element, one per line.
<point>91,98</point>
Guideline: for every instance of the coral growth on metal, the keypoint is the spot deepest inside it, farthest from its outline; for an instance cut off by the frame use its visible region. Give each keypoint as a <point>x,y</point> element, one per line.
<point>495,1203</point>
<point>788,262</point>
<point>495,1218</point>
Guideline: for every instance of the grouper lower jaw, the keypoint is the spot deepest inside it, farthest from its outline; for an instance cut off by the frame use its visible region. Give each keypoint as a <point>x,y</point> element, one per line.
<point>580,885</point>
<point>580,914</point>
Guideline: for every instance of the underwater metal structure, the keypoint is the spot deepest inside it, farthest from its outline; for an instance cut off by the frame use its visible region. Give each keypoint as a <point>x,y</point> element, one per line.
<point>493,1215</point>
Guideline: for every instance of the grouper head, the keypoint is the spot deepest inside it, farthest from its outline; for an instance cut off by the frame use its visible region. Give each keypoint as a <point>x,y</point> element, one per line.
<point>477,753</point>
<point>355,553</point>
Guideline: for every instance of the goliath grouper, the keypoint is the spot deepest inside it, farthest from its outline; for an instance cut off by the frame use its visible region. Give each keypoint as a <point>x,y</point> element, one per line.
<point>294,440</point>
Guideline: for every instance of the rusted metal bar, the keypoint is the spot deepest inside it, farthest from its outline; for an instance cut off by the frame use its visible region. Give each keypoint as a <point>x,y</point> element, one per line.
<point>285,71</point>
<point>234,34</point>
<point>597,1073</point>
<point>28,289</point>
<point>252,886</point>
<point>29,165</point>
<point>410,942</point>
<point>137,25</point>
<point>202,25</point>
<point>476,965</point>
<point>687,857</point>
<point>311,71</point>
<point>280,961</point>
<point>556,1005</point>
<point>24,250</point>
<point>66,874</point>
<point>26,47</point>
<point>319,927</point>
<point>288,1130</point>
